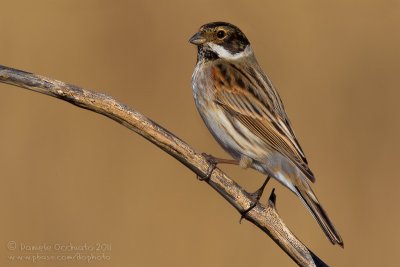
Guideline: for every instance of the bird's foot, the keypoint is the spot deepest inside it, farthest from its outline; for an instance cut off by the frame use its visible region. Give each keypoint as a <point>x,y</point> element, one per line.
<point>211,167</point>
<point>216,160</point>
<point>256,196</point>
<point>213,164</point>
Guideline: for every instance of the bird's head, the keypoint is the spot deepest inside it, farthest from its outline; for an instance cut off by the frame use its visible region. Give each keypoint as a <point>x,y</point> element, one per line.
<point>221,40</point>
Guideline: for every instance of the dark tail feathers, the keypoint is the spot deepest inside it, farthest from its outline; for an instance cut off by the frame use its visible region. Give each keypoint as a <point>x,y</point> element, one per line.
<point>320,215</point>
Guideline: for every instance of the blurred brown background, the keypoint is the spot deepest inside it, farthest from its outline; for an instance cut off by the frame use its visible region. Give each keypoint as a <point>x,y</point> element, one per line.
<point>70,176</point>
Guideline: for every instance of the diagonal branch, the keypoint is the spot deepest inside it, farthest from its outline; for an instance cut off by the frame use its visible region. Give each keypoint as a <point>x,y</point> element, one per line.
<point>264,217</point>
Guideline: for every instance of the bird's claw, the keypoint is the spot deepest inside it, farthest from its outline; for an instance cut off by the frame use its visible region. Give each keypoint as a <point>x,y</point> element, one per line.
<point>257,196</point>
<point>243,213</point>
<point>211,167</point>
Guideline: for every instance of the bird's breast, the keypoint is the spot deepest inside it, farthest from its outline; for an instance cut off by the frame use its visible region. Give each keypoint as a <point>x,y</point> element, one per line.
<point>234,137</point>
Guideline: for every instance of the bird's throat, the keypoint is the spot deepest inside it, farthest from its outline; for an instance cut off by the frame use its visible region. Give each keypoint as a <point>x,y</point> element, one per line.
<point>206,54</point>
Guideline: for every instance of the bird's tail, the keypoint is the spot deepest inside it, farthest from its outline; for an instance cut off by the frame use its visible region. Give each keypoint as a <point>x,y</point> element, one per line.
<point>320,215</point>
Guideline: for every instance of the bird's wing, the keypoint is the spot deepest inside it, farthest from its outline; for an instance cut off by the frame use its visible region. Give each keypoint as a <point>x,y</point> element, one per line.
<point>256,104</point>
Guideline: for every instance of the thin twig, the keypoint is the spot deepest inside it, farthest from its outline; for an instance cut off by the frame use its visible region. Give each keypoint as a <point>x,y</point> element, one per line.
<point>264,217</point>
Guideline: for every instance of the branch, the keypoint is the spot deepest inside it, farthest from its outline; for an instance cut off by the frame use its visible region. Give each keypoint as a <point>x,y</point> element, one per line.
<point>264,217</point>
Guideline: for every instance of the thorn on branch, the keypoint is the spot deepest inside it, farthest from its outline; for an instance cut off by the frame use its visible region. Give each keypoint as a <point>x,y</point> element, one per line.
<point>272,198</point>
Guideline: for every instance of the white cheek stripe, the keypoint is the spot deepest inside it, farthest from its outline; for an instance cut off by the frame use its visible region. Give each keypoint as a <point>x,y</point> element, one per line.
<point>223,53</point>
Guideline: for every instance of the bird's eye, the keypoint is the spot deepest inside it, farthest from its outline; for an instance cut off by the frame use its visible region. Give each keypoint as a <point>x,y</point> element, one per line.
<point>221,34</point>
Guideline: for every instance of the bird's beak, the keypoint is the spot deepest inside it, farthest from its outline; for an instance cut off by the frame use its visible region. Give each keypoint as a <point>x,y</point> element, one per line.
<point>197,39</point>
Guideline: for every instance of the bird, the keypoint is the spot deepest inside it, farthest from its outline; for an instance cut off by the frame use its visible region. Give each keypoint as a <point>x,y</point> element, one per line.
<point>244,112</point>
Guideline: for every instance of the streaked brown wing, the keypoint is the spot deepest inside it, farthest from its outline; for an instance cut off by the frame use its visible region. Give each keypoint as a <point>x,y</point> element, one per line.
<point>259,109</point>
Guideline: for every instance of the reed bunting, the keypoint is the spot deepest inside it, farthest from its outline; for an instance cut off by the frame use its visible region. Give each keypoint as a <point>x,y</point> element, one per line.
<point>244,113</point>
